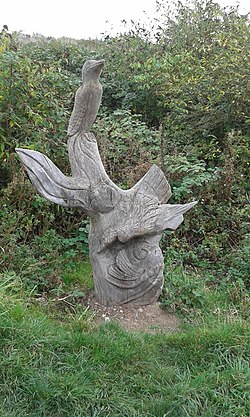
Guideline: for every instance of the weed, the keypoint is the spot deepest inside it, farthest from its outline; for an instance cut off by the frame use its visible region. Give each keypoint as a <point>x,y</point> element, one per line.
<point>182,291</point>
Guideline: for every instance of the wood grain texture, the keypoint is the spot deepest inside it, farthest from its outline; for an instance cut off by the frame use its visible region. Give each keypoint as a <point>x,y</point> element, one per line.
<point>125,225</point>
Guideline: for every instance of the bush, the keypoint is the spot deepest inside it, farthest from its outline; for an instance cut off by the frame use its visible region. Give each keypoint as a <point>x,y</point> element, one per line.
<point>182,291</point>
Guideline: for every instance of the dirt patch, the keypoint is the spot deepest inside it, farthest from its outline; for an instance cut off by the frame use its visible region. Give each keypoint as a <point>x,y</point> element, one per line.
<point>150,318</point>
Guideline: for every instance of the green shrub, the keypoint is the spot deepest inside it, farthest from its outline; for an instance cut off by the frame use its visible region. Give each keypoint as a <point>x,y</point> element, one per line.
<point>182,291</point>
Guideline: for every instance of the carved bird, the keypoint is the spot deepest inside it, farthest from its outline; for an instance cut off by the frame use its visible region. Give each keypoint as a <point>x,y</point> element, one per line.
<point>87,100</point>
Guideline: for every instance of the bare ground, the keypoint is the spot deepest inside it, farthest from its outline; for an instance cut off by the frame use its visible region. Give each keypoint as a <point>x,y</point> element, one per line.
<point>150,318</point>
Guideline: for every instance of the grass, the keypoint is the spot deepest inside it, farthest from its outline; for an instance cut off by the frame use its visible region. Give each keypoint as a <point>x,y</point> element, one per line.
<point>53,367</point>
<point>78,272</point>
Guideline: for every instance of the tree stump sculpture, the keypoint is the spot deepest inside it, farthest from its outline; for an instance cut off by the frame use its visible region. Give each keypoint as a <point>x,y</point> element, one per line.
<point>125,225</point>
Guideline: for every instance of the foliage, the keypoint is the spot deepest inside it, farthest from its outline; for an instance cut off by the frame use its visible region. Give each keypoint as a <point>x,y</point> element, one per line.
<point>175,94</point>
<point>39,121</point>
<point>200,71</point>
<point>182,291</point>
<point>127,146</point>
<point>44,263</point>
<point>236,268</point>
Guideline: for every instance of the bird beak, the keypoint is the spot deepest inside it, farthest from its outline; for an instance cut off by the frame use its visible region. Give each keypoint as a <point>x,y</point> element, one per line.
<point>97,66</point>
<point>100,63</point>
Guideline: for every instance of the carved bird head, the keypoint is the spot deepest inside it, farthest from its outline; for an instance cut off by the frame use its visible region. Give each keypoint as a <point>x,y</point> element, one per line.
<point>92,69</point>
<point>104,197</point>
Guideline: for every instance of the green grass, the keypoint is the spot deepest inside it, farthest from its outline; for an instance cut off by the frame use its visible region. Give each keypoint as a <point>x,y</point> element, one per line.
<point>79,272</point>
<point>51,367</point>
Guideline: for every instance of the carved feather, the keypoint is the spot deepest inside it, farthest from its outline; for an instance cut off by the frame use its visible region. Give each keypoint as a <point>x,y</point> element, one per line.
<point>51,183</point>
<point>171,215</point>
<point>144,216</point>
<point>154,183</point>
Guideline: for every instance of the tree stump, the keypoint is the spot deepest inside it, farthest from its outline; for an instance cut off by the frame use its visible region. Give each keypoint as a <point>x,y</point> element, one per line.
<point>125,225</point>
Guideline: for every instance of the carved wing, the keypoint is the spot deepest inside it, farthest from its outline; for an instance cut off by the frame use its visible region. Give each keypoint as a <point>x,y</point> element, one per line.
<point>141,219</point>
<point>51,183</point>
<point>143,216</point>
<point>77,119</point>
<point>171,215</point>
<point>154,183</point>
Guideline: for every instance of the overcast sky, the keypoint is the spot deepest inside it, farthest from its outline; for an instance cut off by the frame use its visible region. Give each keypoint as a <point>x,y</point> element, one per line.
<point>79,18</point>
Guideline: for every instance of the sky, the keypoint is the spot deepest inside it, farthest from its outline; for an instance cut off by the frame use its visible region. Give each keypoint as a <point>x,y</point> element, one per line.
<point>80,19</point>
